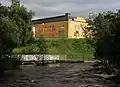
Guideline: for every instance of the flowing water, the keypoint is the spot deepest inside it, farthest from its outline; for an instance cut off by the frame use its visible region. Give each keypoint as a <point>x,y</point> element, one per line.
<point>58,75</point>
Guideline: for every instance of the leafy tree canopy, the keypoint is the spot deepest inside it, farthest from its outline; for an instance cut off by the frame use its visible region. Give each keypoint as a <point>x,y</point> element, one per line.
<point>107,41</point>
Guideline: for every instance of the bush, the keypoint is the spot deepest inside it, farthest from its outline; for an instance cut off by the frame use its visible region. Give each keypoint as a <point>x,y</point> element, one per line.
<point>8,62</point>
<point>28,49</point>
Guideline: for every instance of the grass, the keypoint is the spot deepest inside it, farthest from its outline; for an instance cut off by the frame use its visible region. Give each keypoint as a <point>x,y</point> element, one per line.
<point>76,49</point>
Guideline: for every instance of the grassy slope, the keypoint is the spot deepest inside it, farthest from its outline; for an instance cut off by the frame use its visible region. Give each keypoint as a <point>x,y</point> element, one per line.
<point>73,48</point>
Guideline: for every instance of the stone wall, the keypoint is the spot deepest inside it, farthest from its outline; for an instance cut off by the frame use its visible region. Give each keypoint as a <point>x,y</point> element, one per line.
<point>39,57</point>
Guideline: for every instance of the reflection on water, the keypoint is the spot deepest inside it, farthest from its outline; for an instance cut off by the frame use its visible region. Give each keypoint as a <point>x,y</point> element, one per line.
<point>53,75</point>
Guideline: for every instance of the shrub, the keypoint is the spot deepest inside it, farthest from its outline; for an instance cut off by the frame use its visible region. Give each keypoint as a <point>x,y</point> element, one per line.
<point>28,49</point>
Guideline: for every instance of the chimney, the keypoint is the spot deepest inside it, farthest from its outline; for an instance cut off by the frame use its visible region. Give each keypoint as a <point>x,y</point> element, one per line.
<point>67,14</point>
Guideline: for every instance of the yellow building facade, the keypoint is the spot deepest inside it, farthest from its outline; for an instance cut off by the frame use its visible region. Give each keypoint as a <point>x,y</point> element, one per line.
<point>60,26</point>
<point>77,27</point>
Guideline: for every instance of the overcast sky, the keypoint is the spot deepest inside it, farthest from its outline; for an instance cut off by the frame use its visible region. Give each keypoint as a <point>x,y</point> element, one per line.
<point>48,8</point>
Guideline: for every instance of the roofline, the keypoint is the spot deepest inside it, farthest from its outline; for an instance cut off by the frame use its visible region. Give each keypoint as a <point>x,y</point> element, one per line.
<point>64,17</point>
<point>66,14</point>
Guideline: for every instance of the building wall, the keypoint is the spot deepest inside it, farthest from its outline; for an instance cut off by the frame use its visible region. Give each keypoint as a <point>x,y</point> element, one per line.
<point>52,29</point>
<point>76,28</point>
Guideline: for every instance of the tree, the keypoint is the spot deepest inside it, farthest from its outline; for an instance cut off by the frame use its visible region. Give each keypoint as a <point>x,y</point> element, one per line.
<point>15,30</point>
<point>7,39</point>
<point>91,29</point>
<point>22,18</point>
<point>107,40</point>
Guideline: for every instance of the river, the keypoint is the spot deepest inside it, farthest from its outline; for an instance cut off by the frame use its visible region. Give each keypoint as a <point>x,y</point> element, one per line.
<point>58,75</point>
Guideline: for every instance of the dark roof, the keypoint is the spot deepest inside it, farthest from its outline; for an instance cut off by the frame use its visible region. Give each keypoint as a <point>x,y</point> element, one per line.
<point>53,19</point>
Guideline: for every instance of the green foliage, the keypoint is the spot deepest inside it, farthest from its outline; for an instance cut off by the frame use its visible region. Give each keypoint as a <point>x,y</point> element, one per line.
<point>36,47</point>
<point>7,38</point>
<point>42,44</point>
<point>28,49</point>
<point>81,48</point>
<point>8,62</point>
<point>107,40</point>
<point>22,18</point>
<point>7,27</point>
<point>73,48</point>
<point>52,50</point>
<point>15,30</point>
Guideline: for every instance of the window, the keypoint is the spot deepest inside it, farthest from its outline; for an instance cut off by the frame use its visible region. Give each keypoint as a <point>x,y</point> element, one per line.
<point>39,27</point>
<point>76,33</point>
<point>33,29</point>
<point>62,27</point>
<point>79,27</point>
<point>75,27</point>
<point>51,27</point>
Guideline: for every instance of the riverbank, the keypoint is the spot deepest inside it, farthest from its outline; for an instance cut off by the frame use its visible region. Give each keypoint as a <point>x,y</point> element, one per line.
<point>48,59</point>
<point>56,75</point>
<point>56,61</point>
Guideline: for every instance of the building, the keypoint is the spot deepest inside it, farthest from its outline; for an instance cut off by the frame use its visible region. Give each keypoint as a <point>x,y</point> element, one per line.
<point>60,26</point>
